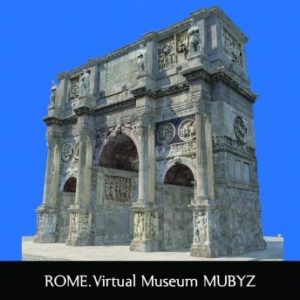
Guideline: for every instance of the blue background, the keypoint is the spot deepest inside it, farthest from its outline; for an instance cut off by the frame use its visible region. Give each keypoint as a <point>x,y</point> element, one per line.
<point>41,38</point>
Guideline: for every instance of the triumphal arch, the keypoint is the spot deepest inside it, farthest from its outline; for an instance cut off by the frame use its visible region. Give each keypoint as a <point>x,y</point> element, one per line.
<point>153,146</point>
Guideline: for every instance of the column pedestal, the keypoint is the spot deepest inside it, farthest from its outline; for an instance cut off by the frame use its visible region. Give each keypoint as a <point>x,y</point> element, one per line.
<point>145,228</point>
<point>206,230</point>
<point>79,226</point>
<point>46,223</point>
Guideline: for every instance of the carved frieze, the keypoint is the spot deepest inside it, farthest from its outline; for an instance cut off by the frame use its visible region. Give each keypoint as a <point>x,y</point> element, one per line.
<point>166,53</point>
<point>186,130</point>
<point>232,48</point>
<point>182,43</point>
<point>74,88</point>
<point>117,189</point>
<point>179,149</point>
<point>227,144</point>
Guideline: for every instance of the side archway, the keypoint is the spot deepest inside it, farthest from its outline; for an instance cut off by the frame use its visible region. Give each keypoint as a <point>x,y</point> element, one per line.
<point>67,198</point>
<point>174,197</point>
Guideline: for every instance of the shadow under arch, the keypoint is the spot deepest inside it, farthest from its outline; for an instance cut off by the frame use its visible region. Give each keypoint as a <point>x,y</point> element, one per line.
<point>114,134</point>
<point>119,152</point>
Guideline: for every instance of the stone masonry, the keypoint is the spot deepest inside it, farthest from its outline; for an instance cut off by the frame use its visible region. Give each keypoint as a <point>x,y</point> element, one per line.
<point>152,146</point>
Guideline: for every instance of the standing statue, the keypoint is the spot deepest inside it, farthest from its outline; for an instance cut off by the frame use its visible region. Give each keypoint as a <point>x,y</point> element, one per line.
<point>141,59</point>
<point>193,39</point>
<point>84,83</point>
<point>53,94</point>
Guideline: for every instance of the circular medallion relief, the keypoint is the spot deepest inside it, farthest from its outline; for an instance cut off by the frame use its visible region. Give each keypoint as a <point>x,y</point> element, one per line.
<point>165,133</point>
<point>186,130</point>
<point>67,151</point>
<point>240,129</point>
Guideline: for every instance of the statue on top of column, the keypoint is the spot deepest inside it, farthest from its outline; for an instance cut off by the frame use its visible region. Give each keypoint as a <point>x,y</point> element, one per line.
<point>141,59</point>
<point>53,93</point>
<point>84,83</point>
<point>193,39</point>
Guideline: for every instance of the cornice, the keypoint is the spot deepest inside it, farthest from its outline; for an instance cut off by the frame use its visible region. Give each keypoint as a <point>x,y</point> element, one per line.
<point>200,73</point>
<point>50,121</point>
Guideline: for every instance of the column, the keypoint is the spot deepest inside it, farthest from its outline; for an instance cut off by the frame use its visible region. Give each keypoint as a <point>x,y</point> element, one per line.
<point>145,211</point>
<point>205,212</point>
<point>80,213</point>
<point>46,213</point>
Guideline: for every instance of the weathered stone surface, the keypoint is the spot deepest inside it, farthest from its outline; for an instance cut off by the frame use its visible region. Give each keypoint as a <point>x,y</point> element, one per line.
<point>153,146</point>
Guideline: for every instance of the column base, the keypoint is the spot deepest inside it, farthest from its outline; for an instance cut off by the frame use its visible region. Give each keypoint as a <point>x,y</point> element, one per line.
<point>79,227</point>
<point>144,245</point>
<point>44,238</point>
<point>46,225</point>
<point>203,251</point>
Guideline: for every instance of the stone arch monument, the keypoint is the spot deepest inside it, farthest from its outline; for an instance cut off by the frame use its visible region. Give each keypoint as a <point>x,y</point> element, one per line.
<point>158,137</point>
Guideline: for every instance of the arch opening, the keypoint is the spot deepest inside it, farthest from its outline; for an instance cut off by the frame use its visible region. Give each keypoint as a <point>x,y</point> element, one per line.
<point>120,153</point>
<point>179,174</point>
<point>70,185</point>
<point>175,217</point>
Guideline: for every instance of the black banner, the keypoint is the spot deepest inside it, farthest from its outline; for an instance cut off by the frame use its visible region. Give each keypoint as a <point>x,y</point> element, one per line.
<point>126,279</point>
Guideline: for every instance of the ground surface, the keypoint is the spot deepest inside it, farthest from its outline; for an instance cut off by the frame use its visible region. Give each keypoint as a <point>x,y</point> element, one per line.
<point>33,251</point>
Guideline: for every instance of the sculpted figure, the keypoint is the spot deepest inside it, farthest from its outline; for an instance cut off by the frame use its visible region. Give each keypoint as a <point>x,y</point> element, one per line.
<point>53,94</point>
<point>200,234</point>
<point>84,83</point>
<point>194,39</point>
<point>139,225</point>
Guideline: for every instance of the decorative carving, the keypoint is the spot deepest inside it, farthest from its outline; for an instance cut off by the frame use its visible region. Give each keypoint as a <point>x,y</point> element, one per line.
<point>182,43</point>
<point>240,129</point>
<point>53,94</point>
<point>179,149</point>
<point>74,88</point>
<point>200,227</point>
<point>152,228</point>
<point>84,83</point>
<point>76,150</point>
<point>173,89</point>
<point>139,225</point>
<point>165,133</point>
<point>67,151</point>
<point>46,222</point>
<point>232,48</point>
<point>193,39</point>
<point>118,189</point>
<point>186,130</point>
<point>227,144</point>
<point>166,53</point>
<point>79,223</point>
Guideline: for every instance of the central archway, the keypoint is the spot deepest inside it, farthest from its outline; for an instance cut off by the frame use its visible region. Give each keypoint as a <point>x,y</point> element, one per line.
<point>118,168</point>
<point>120,153</point>
<point>174,196</point>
